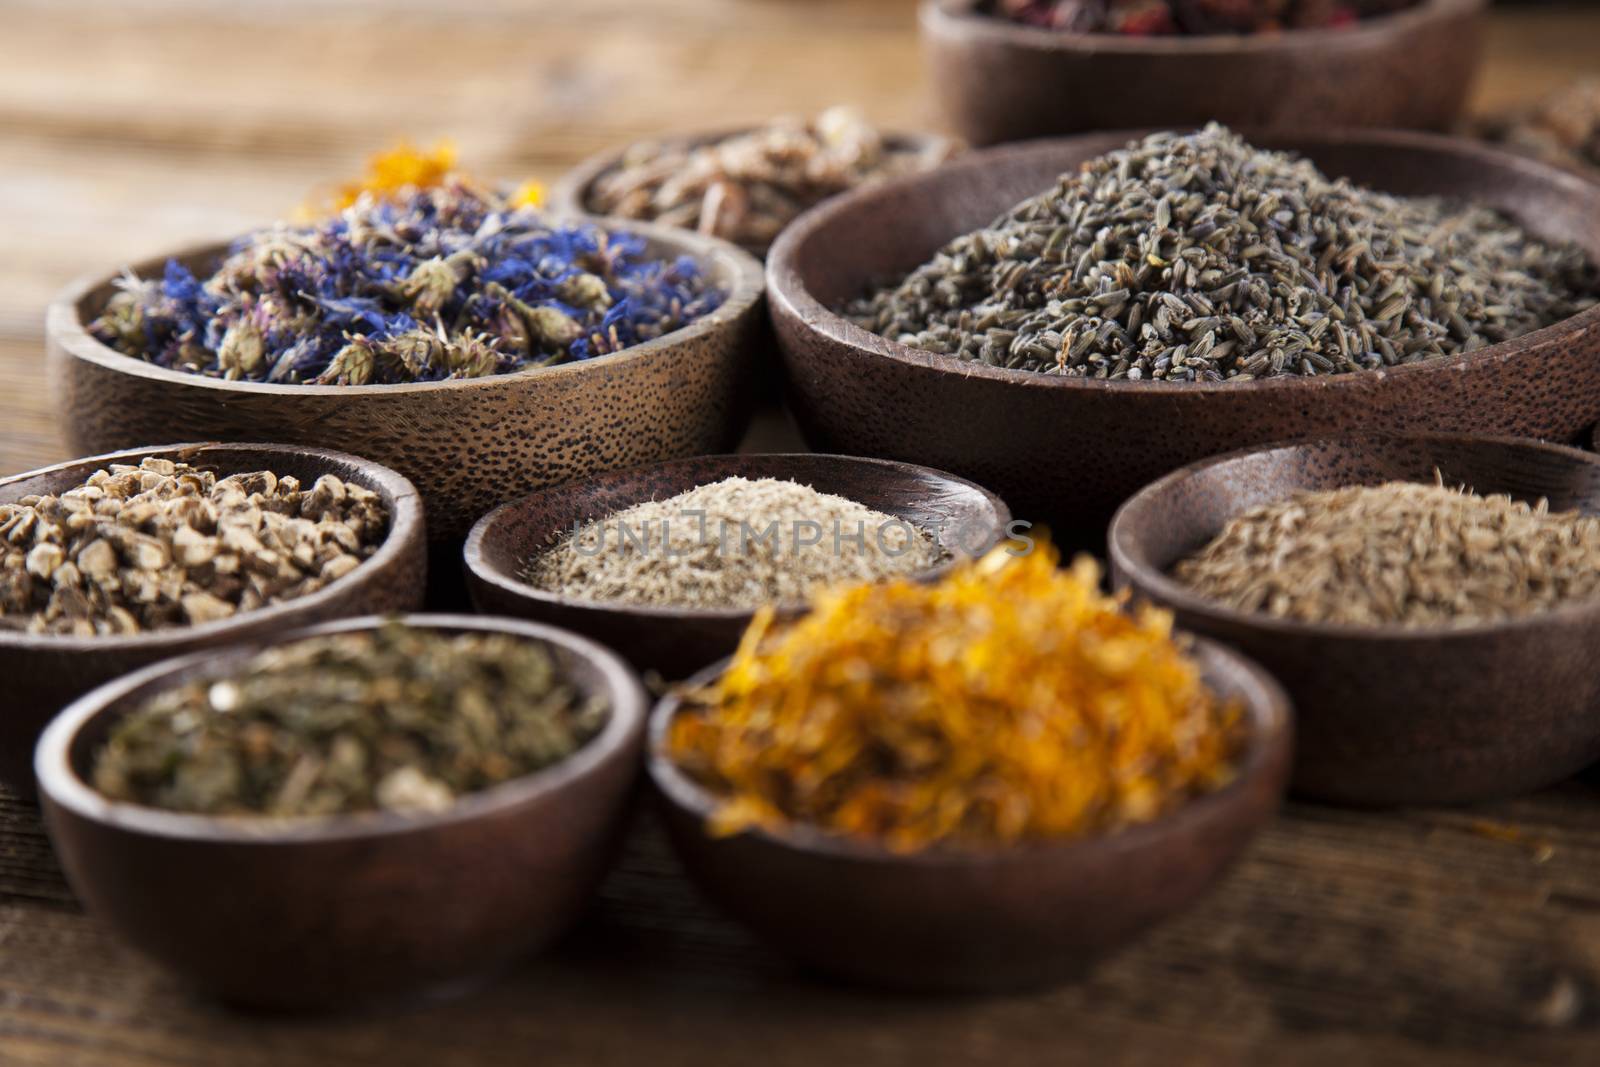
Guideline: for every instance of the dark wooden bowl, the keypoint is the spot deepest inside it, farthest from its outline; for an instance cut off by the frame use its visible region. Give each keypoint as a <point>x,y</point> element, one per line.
<point>679,641</point>
<point>319,913</point>
<point>999,919</point>
<point>570,195</point>
<point>1069,450</point>
<point>45,672</point>
<point>1387,715</point>
<point>999,81</point>
<point>468,445</point>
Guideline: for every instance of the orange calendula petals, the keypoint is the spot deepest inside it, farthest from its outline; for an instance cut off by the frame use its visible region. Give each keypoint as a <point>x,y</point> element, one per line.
<point>1011,701</point>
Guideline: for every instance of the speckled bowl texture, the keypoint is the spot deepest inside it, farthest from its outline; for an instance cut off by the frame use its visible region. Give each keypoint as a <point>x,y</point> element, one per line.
<point>468,445</point>
<point>1069,450</point>
<point>998,919</point>
<point>318,913</point>
<point>43,673</point>
<point>1387,715</point>
<point>998,81</point>
<point>676,642</point>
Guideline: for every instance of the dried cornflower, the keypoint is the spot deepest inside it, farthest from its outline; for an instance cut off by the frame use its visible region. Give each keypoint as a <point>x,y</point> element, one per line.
<point>423,284</point>
<point>397,719</point>
<point>1400,553</point>
<point>165,544</point>
<point>749,186</point>
<point>1009,702</point>
<point>1196,257</point>
<point>734,543</point>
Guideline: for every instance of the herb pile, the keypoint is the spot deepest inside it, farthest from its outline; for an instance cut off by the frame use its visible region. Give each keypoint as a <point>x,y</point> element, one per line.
<point>1197,257</point>
<point>1144,18</point>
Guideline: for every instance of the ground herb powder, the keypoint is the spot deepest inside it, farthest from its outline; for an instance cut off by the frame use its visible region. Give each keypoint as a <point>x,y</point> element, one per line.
<point>735,544</point>
<point>1009,702</point>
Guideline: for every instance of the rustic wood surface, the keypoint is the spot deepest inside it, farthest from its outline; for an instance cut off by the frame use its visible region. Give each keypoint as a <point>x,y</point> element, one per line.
<point>1414,937</point>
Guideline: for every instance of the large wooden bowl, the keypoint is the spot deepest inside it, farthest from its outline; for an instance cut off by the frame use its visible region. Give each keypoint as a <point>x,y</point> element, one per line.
<point>44,672</point>
<point>327,912</point>
<point>1384,714</point>
<point>994,919</point>
<point>468,445</point>
<point>999,81</point>
<point>676,642</point>
<point>1069,450</point>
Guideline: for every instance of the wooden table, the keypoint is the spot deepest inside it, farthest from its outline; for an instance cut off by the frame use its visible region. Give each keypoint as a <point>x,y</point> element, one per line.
<point>1416,937</point>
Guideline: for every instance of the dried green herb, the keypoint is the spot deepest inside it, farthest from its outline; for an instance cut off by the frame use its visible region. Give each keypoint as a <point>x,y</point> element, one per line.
<point>397,719</point>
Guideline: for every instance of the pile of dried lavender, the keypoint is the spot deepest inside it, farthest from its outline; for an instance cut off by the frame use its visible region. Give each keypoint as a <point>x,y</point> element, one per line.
<point>748,187</point>
<point>451,281</point>
<point>1199,258</point>
<point>165,544</point>
<point>736,543</point>
<point>1400,553</point>
<point>400,719</point>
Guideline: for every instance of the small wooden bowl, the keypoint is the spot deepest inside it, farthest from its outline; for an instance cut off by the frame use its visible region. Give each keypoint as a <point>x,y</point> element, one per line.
<point>990,920</point>
<point>572,192</point>
<point>1000,81</point>
<point>1069,450</point>
<point>318,913</point>
<point>680,641</point>
<point>45,672</point>
<point>470,444</point>
<point>1389,715</point>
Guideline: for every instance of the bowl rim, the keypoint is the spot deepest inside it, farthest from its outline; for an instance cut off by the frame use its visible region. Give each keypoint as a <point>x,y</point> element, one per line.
<point>569,195</point>
<point>407,526</point>
<point>745,283</point>
<point>959,18</point>
<point>1268,750</point>
<point>61,785</point>
<point>478,568</point>
<point>790,298</point>
<point>1141,575</point>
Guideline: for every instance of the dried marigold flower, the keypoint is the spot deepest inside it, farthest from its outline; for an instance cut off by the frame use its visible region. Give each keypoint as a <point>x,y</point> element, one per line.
<point>1011,701</point>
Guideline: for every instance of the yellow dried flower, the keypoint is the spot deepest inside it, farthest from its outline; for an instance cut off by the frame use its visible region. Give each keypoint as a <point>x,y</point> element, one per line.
<point>529,194</point>
<point>404,167</point>
<point>1010,701</point>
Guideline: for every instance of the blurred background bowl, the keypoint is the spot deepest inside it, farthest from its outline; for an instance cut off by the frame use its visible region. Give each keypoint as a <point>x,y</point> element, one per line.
<point>999,81</point>
<point>679,641</point>
<point>328,912</point>
<point>1069,450</point>
<point>467,444</point>
<point>1385,714</point>
<point>44,672</point>
<point>996,919</point>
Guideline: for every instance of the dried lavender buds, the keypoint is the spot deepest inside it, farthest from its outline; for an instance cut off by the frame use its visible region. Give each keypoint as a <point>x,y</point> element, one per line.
<point>1196,257</point>
<point>398,719</point>
<point>1401,554</point>
<point>446,282</point>
<point>732,544</point>
<point>1144,18</point>
<point>749,186</point>
<point>164,544</point>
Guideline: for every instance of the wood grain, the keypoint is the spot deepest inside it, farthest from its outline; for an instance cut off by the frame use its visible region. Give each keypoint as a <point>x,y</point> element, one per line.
<point>1413,937</point>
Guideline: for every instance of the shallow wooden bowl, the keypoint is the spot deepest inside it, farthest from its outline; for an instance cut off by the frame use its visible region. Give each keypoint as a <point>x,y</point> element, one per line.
<point>680,641</point>
<point>1387,715</point>
<point>998,81</point>
<point>999,919</point>
<point>468,445</point>
<point>45,672</point>
<point>1069,450</point>
<point>318,913</point>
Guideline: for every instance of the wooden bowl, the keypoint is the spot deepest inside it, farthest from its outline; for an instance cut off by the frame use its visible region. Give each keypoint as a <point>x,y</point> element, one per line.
<point>680,641</point>
<point>1069,450</point>
<point>1389,715</point>
<point>44,672</point>
<point>467,444</point>
<point>572,193</point>
<point>979,920</point>
<point>999,81</point>
<point>328,912</point>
